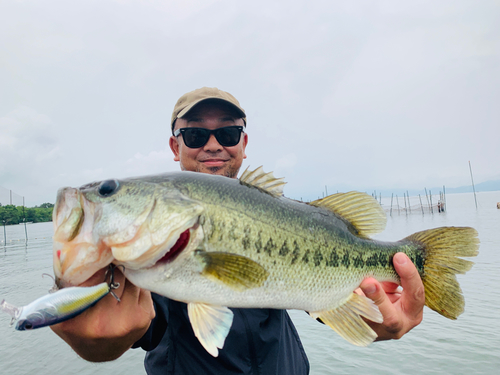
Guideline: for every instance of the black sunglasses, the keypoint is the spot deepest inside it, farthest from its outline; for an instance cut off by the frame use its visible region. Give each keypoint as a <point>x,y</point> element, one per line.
<point>198,137</point>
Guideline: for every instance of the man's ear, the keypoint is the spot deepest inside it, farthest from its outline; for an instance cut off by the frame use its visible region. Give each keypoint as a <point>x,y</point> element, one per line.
<point>174,146</point>
<point>245,141</point>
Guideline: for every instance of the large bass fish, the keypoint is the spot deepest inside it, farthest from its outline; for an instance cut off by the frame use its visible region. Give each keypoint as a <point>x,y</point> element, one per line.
<point>215,242</point>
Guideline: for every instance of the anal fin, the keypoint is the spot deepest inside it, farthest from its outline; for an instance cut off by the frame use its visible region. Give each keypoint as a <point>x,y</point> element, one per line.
<point>210,324</point>
<point>347,322</point>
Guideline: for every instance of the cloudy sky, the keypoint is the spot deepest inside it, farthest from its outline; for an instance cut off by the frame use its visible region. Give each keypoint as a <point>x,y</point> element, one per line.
<point>349,94</point>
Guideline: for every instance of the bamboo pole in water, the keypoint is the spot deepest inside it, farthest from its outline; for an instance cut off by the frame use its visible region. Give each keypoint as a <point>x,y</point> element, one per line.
<point>444,198</point>
<point>473,188</point>
<point>24,219</point>
<point>427,198</point>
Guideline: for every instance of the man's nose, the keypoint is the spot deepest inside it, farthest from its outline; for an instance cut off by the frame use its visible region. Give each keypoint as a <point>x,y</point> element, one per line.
<point>212,144</point>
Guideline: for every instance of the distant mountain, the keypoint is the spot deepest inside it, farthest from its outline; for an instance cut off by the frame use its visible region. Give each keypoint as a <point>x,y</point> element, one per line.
<point>483,186</point>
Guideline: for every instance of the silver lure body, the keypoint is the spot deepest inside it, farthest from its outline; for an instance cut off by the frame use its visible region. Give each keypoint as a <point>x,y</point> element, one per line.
<point>55,307</point>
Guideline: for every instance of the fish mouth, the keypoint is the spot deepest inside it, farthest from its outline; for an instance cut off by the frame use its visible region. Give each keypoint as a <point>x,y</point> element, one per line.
<point>175,250</point>
<point>176,242</point>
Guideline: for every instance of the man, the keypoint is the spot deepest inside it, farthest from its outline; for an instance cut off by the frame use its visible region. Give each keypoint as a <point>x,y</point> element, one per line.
<point>261,341</point>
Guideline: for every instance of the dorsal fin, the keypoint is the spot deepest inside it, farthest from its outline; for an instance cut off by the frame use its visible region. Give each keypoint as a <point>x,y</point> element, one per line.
<point>361,210</point>
<point>264,181</point>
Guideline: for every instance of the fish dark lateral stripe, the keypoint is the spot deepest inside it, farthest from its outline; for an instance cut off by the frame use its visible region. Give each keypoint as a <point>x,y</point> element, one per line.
<point>258,243</point>
<point>284,250</point>
<point>333,260</point>
<point>295,253</point>
<point>318,257</point>
<point>358,262</point>
<point>269,247</point>
<point>305,258</point>
<point>346,262</point>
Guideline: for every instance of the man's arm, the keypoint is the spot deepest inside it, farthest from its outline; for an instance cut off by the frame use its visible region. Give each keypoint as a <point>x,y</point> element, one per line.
<point>107,330</point>
<point>402,310</point>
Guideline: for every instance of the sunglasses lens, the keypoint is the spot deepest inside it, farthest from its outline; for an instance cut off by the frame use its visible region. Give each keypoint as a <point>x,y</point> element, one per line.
<point>229,136</point>
<point>198,137</point>
<point>195,137</point>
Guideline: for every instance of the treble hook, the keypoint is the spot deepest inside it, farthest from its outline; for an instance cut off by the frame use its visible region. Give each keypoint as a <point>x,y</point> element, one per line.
<point>112,284</point>
<point>54,288</point>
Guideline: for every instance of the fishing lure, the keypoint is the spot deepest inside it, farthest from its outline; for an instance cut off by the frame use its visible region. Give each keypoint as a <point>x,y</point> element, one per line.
<point>59,306</point>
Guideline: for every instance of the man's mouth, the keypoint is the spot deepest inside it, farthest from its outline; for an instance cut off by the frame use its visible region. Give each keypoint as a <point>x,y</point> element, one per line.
<point>214,162</point>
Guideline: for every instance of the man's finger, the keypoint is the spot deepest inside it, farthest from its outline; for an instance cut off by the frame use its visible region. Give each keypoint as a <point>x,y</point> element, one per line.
<point>413,296</point>
<point>373,290</point>
<point>390,287</point>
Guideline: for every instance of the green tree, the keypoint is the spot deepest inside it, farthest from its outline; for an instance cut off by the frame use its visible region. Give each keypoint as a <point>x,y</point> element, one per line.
<point>46,205</point>
<point>9,214</point>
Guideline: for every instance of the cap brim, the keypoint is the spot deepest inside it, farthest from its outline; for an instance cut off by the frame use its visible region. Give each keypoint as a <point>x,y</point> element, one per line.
<point>183,113</point>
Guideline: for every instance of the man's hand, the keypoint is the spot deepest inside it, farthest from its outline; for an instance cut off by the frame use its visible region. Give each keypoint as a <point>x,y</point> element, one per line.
<point>402,310</point>
<point>107,330</point>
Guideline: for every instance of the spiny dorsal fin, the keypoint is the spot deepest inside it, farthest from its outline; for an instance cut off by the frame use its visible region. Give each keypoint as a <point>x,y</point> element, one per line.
<point>264,181</point>
<point>359,209</point>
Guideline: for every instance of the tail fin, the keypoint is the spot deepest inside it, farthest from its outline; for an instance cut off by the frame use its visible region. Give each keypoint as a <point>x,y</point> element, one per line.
<point>443,246</point>
<point>12,310</point>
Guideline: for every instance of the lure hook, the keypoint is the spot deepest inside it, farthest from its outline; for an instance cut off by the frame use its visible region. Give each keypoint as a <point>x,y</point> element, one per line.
<point>112,284</point>
<point>54,288</point>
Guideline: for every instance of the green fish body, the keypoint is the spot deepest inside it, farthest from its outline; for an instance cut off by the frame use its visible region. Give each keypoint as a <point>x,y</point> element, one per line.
<point>215,242</point>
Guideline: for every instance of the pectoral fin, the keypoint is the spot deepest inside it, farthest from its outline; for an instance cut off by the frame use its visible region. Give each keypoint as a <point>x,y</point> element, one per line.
<point>210,324</point>
<point>235,271</point>
<point>347,322</point>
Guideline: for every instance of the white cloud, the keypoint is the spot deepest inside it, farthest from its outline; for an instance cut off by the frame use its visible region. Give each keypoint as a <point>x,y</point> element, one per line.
<point>151,163</point>
<point>382,93</point>
<point>27,140</point>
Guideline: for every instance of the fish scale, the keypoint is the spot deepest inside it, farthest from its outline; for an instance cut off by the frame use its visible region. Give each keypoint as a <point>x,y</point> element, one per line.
<point>310,260</point>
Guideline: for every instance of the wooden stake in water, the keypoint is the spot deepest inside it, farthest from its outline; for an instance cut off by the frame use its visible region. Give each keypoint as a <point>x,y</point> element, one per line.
<point>444,198</point>
<point>473,188</point>
<point>24,219</point>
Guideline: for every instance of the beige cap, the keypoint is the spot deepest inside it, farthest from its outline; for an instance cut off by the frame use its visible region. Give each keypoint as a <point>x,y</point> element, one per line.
<point>187,101</point>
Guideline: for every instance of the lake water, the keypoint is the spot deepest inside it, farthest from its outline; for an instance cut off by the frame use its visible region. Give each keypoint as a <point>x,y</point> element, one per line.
<point>470,345</point>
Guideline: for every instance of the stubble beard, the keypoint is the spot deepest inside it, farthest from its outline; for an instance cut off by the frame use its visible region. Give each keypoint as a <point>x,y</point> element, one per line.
<point>230,171</point>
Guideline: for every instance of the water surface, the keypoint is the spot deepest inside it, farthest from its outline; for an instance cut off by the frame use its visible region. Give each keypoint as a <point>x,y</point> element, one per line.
<point>470,345</point>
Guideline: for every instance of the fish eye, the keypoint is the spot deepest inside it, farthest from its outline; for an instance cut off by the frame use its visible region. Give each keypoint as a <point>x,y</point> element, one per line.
<point>28,325</point>
<point>107,188</point>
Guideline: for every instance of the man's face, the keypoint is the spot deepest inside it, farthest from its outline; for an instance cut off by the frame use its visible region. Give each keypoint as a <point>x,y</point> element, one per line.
<point>211,158</point>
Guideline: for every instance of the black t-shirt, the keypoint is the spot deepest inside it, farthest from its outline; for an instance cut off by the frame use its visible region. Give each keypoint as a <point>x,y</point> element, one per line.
<point>261,341</point>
